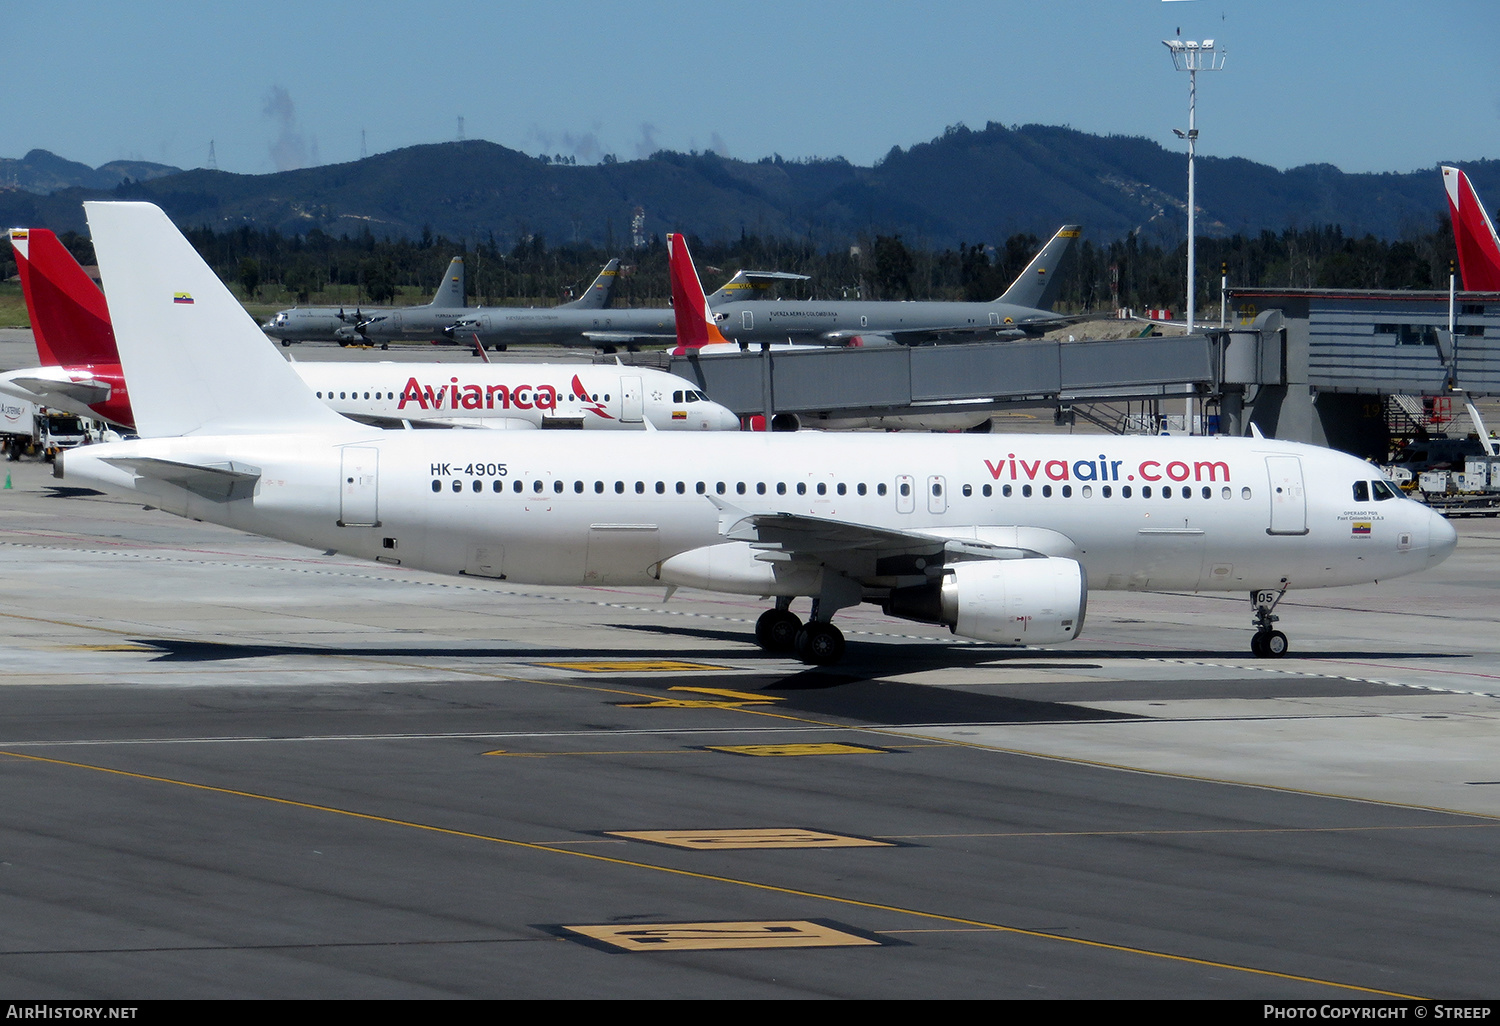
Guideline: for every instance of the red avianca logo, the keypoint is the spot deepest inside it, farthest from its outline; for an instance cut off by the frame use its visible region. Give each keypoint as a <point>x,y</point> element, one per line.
<point>456,396</point>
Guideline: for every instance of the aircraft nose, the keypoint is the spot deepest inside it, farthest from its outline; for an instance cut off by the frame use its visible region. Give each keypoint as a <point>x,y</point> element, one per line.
<point>1441,537</point>
<point>721,419</point>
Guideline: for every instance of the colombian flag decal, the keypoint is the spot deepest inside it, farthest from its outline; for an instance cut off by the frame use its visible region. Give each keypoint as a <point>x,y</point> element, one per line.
<point>679,414</point>
<point>182,298</point>
<point>1361,528</point>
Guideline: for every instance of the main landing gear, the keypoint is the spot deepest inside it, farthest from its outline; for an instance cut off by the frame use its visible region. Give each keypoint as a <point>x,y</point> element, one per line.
<point>1267,643</point>
<point>817,641</point>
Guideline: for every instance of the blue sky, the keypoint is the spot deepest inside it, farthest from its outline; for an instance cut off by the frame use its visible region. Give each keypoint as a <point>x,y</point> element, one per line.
<point>1378,85</point>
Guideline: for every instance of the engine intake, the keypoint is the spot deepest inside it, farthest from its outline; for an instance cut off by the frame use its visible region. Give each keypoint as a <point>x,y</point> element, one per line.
<point>1011,601</point>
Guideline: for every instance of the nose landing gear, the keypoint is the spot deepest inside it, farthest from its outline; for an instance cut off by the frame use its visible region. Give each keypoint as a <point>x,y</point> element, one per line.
<point>1267,643</point>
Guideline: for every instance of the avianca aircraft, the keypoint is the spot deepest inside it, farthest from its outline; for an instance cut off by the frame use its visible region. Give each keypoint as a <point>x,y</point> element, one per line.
<point>71,322</point>
<point>999,537</point>
<point>1474,234</point>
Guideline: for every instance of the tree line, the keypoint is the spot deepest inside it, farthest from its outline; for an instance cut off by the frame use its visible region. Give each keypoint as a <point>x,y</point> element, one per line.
<point>317,267</point>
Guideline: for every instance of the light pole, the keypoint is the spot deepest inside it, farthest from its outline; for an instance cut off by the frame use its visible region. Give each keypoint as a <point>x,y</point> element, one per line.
<point>1193,57</point>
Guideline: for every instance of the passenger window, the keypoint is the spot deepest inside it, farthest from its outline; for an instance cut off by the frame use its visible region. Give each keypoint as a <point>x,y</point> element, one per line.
<point>1166,492</point>
<point>497,486</point>
<point>1146,492</point>
<point>822,488</point>
<point>780,487</point>
<point>1026,491</point>
<point>619,487</point>
<point>640,488</point>
<point>598,487</point>
<point>1067,491</point>
<point>1227,492</point>
<point>1125,491</point>
<point>437,486</point>
<point>860,488</point>
<point>739,489</point>
<point>517,487</point>
<point>661,488</point>
<point>1046,491</point>
<point>1244,493</point>
<point>577,487</point>
<point>1005,490</point>
<point>937,489</point>
<point>760,488</point>
<point>1107,491</point>
<point>801,488</point>
<point>478,486</point>
<point>968,491</point>
<point>719,487</point>
<point>842,490</point>
<point>905,489</point>
<point>681,488</point>
<point>537,486</point>
<point>880,489</point>
<point>458,486</point>
<point>701,488</point>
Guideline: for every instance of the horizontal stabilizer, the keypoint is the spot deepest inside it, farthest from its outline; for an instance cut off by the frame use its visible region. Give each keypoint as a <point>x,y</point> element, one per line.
<point>86,393</point>
<point>217,482</point>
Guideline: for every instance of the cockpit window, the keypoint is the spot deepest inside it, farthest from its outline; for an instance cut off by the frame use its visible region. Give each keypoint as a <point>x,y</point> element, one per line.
<point>1361,491</point>
<point>1383,490</point>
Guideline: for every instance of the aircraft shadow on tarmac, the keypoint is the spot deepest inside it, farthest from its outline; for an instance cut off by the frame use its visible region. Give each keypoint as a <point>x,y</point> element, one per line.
<point>854,692</point>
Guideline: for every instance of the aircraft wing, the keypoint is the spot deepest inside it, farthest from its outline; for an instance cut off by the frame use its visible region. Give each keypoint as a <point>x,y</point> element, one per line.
<point>616,338</point>
<point>952,333</point>
<point>860,551</point>
<point>218,482</point>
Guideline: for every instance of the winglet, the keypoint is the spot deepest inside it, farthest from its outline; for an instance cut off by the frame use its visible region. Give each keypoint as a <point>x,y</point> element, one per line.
<point>69,316</point>
<point>195,360</point>
<point>695,322</point>
<point>1038,285</point>
<point>1473,233</point>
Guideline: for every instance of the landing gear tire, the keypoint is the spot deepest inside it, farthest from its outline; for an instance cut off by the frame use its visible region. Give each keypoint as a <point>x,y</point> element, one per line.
<point>821,644</point>
<point>777,630</point>
<point>1268,645</point>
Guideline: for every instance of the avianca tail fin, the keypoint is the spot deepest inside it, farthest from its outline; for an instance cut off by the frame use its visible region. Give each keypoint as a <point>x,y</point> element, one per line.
<point>1038,285</point>
<point>695,322</point>
<point>450,293</point>
<point>69,316</point>
<point>599,293</point>
<point>195,360</point>
<point>1474,234</point>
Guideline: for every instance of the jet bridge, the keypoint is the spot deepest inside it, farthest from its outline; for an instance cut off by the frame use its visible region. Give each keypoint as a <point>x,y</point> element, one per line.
<point>888,380</point>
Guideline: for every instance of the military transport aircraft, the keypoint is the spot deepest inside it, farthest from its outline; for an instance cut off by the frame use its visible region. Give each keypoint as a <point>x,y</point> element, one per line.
<point>70,320</point>
<point>1024,309</point>
<point>339,324</point>
<point>999,537</point>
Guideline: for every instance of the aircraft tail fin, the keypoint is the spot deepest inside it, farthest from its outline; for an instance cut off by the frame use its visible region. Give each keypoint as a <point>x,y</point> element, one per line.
<point>599,293</point>
<point>195,361</point>
<point>1473,233</point>
<point>1039,284</point>
<point>450,292</point>
<point>69,317</point>
<point>695,322</point>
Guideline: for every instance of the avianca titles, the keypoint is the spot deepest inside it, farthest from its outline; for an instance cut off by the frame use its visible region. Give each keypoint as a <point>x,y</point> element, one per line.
<point>998,537</point>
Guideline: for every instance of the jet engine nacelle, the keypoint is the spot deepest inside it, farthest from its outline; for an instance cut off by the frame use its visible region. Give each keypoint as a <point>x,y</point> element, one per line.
<point>1011,601</point>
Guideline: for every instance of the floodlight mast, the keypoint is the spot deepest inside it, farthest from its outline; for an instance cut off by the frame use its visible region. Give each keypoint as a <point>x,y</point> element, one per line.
<point>1193,57</point>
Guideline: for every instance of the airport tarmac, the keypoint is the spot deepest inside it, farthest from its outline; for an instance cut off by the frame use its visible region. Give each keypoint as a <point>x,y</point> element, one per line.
<point>236,768</point>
